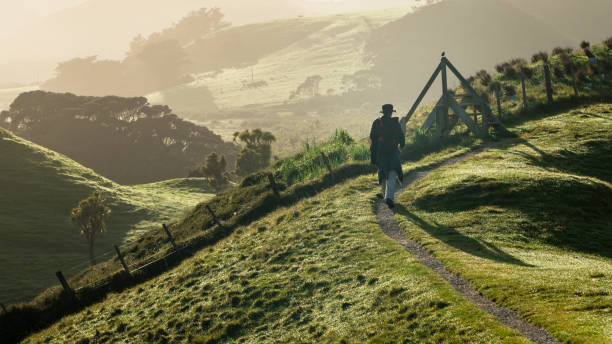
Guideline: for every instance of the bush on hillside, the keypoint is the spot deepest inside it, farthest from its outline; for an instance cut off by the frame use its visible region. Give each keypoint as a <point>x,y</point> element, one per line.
<point>256,152</point>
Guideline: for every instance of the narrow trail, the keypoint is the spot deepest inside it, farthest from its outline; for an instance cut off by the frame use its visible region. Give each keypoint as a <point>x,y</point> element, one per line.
<point>392,229</point>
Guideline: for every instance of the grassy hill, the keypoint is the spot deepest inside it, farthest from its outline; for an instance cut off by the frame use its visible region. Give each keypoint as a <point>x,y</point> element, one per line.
<point>39,187</point>
<point>312,265</point>
<point>527,223</point>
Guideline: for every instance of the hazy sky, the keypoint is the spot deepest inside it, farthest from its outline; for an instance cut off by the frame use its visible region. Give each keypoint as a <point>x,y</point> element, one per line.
<point>36,34</point>
<point>17,12</point>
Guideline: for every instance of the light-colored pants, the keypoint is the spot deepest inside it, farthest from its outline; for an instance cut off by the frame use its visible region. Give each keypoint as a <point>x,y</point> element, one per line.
<point>389,185</point>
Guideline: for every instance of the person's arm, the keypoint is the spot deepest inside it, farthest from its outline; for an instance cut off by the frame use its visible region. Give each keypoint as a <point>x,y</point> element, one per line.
<point>373,135</point>
<point>401,138</point>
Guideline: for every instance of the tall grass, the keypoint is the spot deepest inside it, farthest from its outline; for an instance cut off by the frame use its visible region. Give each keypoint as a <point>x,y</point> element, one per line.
<point>339,149</point>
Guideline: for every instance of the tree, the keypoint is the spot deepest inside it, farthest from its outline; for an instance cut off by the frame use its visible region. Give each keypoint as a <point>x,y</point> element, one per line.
<point>214,169</point>
<point>89,215</point>
<point>257,152</point>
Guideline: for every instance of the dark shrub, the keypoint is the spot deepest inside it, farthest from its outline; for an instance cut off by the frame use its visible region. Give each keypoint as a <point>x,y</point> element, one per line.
<point>495,87</point>
<point>561,51</point>
<point>509,90</point>
<point>526,72</point>
<point>485,77</point>
<point>518,61</point>
<point>558,72</point>
<point>510,73</point>
<point>541,56</point>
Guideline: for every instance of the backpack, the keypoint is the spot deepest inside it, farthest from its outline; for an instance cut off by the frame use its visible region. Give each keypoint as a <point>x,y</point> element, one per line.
<point>387,135</point>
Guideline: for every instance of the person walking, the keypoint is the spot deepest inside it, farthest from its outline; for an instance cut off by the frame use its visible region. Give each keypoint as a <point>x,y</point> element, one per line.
<point>385,137</point>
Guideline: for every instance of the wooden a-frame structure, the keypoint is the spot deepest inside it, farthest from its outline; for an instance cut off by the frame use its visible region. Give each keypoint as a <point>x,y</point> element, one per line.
<point>440,115</point>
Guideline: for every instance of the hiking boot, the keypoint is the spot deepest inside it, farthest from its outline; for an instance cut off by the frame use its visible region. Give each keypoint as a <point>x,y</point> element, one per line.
<point>390,203</point>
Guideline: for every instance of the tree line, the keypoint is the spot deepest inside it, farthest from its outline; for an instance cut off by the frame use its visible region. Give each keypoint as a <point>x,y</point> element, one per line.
<point>125,139</point>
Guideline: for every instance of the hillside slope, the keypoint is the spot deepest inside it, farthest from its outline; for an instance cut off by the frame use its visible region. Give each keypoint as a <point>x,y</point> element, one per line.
<point>274,58</point>
<point>529,223</point>
<point>400,46</point>
<point>39,187</point>
<point>322,271</point>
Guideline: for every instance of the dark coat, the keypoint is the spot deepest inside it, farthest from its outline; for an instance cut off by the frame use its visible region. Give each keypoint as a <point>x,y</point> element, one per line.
<point>387,158</point>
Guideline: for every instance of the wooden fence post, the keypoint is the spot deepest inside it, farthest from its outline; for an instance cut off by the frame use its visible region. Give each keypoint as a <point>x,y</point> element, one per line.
<point>214,217</point>
<point>548,82</point>
<point>499,107</point>
<point>327,164</point>
<point>66,286</point>
<point>274,186</point>
<point>524,88</point>
<point>125,267</point>
<point>170,236</point>
<point>571,65</point>
<point>3,308</point>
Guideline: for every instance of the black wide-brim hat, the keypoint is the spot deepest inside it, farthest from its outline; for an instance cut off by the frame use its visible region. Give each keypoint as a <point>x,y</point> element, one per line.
<point>387,108</point>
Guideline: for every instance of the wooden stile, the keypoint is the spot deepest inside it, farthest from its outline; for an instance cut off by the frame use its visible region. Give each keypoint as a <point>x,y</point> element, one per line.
<point>465,118</point>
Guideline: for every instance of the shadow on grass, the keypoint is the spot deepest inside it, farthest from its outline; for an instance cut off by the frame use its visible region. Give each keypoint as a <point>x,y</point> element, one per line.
<point>595,161</point>
<point>570,213</point>
<point>598,116</point>
<point>454,238</point>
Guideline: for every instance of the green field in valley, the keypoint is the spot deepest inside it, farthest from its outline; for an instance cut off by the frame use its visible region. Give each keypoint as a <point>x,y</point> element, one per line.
<point>39,187</point>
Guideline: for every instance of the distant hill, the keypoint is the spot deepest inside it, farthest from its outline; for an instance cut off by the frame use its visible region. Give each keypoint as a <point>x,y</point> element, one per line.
<point>40,186</point>
<point>263,64</point>
<point>475,34</point>
<point>124,139</point>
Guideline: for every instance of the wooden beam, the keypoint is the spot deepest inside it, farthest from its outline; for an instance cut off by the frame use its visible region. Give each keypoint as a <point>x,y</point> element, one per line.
<point>421,96</point>
<point>487,113</point>
<point>465,118</point>
<point>464,82</point>
<point>443,113</point>
<point>431,117</point>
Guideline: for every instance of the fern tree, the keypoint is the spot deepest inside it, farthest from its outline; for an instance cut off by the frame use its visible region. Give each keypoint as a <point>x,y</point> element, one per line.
<point>88,216</point>
<point>256,152</point>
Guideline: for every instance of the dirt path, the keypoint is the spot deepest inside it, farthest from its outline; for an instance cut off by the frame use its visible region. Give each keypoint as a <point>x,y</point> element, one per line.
<point>391,228</point>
